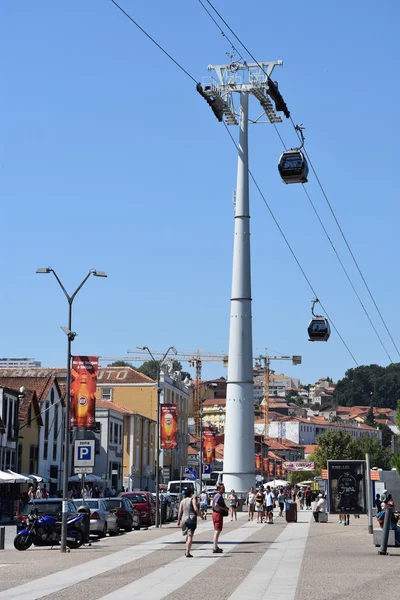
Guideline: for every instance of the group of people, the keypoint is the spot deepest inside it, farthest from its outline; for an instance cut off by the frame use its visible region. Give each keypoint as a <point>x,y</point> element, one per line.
<point>37,493</point>
<point>189,511</point>
<point>262,503</point>
<point>383,502</point>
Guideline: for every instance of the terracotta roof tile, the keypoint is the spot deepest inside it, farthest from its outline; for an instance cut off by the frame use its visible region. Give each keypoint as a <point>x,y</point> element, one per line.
<point>41,385</point>
<point>106,405</point>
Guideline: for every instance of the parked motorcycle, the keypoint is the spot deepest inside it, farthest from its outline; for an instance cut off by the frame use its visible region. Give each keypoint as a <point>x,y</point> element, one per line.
<point>45,530</point>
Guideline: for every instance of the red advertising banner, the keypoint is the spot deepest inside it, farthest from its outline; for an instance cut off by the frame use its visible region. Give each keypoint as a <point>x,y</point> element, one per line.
<point>208,446</point>
<point>83,391</point>
<point>278,471</point>
<point>169,427</point>
<point>258,461</point>
<point>271,468</point>
<point>266,465</point>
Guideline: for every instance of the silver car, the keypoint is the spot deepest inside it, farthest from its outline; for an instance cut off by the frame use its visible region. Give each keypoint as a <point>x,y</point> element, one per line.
<point>102,521</point>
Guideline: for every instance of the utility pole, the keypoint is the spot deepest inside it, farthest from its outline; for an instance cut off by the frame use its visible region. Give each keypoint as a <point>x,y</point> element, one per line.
<point>243,79</point>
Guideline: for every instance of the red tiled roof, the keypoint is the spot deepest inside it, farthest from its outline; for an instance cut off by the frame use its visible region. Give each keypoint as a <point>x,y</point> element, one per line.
<point>213,401</point>
<point>41,385</point>
<point>106,405</point>
<point>110,375</point>
<point>309,448</point>
<point>192,451</point>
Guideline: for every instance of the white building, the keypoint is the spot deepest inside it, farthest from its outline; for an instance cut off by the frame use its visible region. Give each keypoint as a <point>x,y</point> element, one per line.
<point>306,431</point>
<point>18,363</point>
<point>109,434</point>
<point>9,420</point>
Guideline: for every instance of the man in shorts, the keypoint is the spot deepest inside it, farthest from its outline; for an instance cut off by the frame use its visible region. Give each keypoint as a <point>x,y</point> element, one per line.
<point>220,510</point>
<point>269,502</point>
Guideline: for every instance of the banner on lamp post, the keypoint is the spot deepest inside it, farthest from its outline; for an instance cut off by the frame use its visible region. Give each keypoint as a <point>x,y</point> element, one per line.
<point>271,469</point>
<point>208,446</point>
<point>83,391</point>
<point>278,471</point>
<point>169,427</point>
<point>266,465</point>
<point>258,461</point>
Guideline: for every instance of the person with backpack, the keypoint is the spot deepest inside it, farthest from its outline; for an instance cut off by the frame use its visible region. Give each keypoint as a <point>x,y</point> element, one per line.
<point>187,515</point>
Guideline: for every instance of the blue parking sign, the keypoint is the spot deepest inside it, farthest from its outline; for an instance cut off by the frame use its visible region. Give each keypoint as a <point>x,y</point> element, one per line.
<point>84,453</point>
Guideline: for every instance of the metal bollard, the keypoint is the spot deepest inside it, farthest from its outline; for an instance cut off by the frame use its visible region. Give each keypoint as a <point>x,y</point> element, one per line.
<point>385,532</point>
<point>2,537</point>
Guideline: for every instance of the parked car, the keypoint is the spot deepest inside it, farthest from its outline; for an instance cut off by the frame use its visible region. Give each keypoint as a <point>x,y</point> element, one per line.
<point>51,507</point>
<point>128,516</point>
<point>176,499</point>
<point>144,503</point>
<point>167,507</point>
<point>102,520</point>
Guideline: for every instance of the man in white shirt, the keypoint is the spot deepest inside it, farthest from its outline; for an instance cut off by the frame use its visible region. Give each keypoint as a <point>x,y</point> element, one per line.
<point>320,506</point>
<point>269,503</point>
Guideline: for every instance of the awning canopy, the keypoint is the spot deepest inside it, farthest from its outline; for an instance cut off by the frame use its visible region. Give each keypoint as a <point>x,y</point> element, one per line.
<point>88,478</point>
<point>9,476</point>
<point>37,478</point>
<point>277,482</point>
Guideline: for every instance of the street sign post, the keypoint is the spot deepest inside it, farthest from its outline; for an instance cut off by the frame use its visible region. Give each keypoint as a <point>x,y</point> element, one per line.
<point>84,454</point>
<point>189,473</point>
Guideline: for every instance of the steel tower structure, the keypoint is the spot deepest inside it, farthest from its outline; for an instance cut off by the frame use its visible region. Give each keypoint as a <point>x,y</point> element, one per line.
<point>243,79</point>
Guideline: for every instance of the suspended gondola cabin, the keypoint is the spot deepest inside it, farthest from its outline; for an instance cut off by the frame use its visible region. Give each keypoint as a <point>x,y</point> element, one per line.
<point>319,330</point>
<point>293,167</point>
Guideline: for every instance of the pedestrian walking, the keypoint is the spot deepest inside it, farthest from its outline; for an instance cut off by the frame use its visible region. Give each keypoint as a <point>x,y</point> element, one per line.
<point>281,502</point>
<point>259,505</point>
<point>31,492</point>
<point>308,496</point>
<point>378,503</point>
<point>38,494</point>
<point>269,501</point>
<point>113,492</point>
<point>220,510</point>
<point>187,519</point>
<point>250,501</point>
<point>300,498</point>
<point>45,493</point>
<point>96,492</point>
<point>203,504</point>
<point>233,502</point>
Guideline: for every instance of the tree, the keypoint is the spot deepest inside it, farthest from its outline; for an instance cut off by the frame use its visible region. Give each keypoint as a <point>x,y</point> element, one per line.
<point>386,435</point>
<point>149,368</point>
<point>398,414</point>
<point>334,445</point>
<point>121,363</point>
<point>378,455</point>
<point>370,419</point>
<point>365,385</point>
<point>296,476</point>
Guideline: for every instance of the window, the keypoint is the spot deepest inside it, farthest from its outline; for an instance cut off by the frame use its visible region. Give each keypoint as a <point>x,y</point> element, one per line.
<point>29,418</point>
<point>116,433</point>
<point>52,396</point>
<point>111,432</point>
<point>45,450</point>
<point>46,423</point>
<point>120,434</point>
<point>55,451</point>
<point>55,432</point>
<point>106,394</point>
<point>32,462</point>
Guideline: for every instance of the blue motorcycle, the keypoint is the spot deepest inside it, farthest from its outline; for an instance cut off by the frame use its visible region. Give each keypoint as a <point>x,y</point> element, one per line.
<point>45,530</point>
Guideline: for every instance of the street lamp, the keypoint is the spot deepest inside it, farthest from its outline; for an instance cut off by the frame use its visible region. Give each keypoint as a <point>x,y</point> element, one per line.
<point>71,336</point>
<point>158,364</point>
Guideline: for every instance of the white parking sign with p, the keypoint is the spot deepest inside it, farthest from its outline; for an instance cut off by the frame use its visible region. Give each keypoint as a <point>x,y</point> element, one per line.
<point>84,453</point>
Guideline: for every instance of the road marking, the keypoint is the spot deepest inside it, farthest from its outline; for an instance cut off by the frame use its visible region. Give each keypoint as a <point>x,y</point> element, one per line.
<point>66,578</point>
<point>63,579</point>
<point>277,572</point>
<point>167,579</point>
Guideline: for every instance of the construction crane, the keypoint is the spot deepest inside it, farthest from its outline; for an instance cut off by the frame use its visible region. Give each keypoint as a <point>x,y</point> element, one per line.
<point>265,361</point>
<point>195,359</point>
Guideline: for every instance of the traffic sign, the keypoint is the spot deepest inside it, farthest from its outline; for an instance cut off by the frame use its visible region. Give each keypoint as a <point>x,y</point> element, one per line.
<point>83,470</point>
<point>189,473</point>
<point>206,469</point>
<point>84,453</point>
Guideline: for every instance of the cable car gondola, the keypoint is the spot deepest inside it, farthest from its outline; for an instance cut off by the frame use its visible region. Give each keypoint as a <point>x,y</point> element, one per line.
<point>293,166</point>
<point>318,329</point>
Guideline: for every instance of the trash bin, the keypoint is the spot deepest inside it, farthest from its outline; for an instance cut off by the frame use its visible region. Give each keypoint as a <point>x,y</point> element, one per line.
<point>85,510</point>
<point>291,512</point>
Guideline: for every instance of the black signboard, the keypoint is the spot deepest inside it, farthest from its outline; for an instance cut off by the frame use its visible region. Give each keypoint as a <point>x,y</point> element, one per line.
<point>347,487</point>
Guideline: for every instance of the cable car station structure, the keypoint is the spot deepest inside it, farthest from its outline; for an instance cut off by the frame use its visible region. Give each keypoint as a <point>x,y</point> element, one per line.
<point>244,79</point>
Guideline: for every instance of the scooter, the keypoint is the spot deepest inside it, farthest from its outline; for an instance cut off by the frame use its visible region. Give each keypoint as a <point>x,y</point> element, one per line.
<point>45,530</point>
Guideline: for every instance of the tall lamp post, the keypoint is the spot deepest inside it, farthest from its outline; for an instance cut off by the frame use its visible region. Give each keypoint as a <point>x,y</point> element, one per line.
<point>71,336</point>
<point>158,364</point>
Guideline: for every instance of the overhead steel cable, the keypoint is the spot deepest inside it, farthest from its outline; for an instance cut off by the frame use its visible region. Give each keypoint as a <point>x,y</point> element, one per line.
<point>221,30</point>
<point>154,41</point>
<point>325,196</point>
<point>252,177</point>
<point>348,246</point>
<point>291,249</point>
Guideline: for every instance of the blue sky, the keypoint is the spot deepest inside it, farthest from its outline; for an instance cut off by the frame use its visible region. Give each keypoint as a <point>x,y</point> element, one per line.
<point>111,160</point>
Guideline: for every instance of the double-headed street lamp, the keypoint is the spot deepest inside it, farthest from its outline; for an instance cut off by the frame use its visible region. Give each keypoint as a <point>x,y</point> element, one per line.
<point>71,336</point>
<point>158,364</point>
